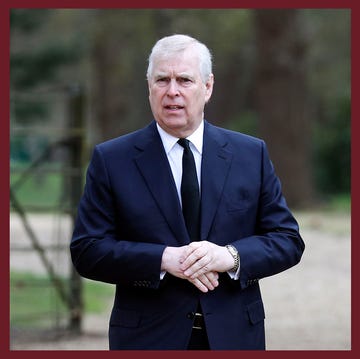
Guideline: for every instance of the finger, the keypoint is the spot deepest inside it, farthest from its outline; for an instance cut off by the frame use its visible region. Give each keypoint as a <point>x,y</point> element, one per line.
<point>213,278</point>
<point>201,286</point>
<point>193,257</point>
<point>187,251</point>
<point>201,266</point>
<point>213,274</point>
<point>206,282</point>
<point>198,268</point>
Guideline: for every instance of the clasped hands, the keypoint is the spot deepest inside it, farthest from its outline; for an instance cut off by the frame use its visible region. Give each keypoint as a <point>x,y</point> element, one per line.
<point>198,262</point>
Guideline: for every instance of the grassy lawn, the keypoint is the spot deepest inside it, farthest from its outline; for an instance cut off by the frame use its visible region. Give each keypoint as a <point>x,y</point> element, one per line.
<point>34,302</point>
<point>42,190</point>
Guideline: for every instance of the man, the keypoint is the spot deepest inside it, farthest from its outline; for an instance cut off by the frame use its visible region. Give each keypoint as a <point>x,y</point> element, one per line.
<point>182,285</point>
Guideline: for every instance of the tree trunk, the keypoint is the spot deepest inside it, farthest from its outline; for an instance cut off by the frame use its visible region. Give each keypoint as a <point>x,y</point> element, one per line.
<point>281,97</point>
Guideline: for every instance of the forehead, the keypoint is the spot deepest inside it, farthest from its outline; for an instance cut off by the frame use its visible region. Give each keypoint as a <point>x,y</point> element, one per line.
<point>184,62</point>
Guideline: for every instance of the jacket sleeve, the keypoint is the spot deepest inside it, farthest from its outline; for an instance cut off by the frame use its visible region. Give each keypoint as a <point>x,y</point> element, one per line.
<point>276,244</point>
<point>96,250</point>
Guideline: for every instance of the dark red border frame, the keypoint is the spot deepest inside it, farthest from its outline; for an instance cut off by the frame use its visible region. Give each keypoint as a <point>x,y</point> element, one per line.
<point>6,5</point>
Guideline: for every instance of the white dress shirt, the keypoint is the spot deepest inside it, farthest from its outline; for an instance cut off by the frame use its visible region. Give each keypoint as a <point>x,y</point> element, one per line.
<point>174,153</point>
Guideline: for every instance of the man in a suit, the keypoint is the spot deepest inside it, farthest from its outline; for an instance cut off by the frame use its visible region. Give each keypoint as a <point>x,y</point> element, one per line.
<point>186,259</point>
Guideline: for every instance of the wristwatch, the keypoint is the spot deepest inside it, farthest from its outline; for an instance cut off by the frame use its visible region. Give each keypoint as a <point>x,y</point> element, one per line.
<point>235,254</point>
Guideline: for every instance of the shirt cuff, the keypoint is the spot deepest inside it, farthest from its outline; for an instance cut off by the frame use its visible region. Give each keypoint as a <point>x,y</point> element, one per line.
<point>234,275</point>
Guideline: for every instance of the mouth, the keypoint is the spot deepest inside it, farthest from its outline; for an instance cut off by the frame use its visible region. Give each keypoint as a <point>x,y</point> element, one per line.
<point>173,107</point>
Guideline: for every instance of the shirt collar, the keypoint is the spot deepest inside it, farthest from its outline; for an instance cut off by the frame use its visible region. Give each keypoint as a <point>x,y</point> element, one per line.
<point>169,141</point>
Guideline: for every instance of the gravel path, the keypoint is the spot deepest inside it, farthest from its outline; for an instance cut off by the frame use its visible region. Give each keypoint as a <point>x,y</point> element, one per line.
<point>308,307</point>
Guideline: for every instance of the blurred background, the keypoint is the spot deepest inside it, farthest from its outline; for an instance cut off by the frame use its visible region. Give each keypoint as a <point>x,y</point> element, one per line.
<point>78,78</point>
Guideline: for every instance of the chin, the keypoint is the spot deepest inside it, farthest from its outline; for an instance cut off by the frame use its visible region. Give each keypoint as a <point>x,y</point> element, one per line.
<point>175,123</point>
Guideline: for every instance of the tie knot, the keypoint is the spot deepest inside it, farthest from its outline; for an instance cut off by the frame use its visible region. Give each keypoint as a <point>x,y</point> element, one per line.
<point>184,143</point>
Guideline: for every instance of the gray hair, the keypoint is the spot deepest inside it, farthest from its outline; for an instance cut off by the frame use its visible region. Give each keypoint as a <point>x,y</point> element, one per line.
<point>173,44</point>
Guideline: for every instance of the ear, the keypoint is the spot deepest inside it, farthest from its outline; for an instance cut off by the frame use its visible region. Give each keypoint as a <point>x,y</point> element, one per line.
<point>209,87</point>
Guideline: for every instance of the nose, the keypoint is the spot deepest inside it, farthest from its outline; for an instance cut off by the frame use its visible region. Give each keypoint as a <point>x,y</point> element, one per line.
<point>173,89</point>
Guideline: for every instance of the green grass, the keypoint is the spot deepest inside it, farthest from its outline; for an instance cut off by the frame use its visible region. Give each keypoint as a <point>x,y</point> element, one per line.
<point>34,302</point>
<point>336,203</point>
<point>341,202</point>
<point>40,190</point>
<point>97,296</point>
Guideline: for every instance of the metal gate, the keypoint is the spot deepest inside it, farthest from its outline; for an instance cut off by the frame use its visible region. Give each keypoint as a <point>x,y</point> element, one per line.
<point>46,181</point>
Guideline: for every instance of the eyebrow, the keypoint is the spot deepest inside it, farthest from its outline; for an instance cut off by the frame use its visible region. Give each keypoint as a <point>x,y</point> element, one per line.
<point>164,74</point>
<point>160,76</point>
<point>186,75</point>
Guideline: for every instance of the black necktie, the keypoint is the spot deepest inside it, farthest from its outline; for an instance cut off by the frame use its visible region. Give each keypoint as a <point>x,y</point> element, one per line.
<point>190,195</point>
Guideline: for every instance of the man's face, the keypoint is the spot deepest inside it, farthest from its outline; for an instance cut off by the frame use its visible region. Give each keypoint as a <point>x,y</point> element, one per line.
<point>177,94</point>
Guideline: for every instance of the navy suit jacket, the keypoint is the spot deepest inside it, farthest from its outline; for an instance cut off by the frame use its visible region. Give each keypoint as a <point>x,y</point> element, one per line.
<point>130,212</point>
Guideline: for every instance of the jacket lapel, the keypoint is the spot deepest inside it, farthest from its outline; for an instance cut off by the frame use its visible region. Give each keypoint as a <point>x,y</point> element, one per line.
<point>154,167</point>
<point>215,167</point>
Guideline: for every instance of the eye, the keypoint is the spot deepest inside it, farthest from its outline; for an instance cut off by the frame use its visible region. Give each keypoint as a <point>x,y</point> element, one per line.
<point>162,80</point>
<point>185,80</point>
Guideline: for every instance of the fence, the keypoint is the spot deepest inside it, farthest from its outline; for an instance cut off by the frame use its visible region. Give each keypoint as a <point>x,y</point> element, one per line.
<point>46,179</point>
